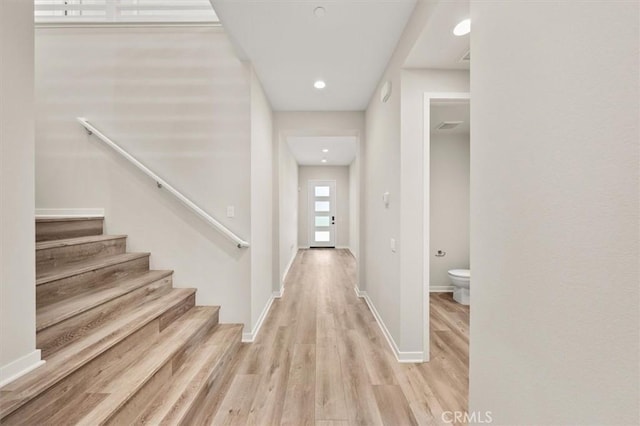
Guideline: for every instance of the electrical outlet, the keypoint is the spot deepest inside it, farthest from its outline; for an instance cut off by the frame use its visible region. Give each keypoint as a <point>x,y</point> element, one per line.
<point>231,211</point>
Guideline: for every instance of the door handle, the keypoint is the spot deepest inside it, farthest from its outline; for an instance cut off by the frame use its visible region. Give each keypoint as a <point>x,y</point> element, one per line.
<point>333,220</point>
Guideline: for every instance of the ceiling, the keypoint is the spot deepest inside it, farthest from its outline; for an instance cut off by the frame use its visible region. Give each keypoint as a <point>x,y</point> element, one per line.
<point>450,111</point>
<point>437,47</point>
<point>307,150</point>
<point>290,47</point>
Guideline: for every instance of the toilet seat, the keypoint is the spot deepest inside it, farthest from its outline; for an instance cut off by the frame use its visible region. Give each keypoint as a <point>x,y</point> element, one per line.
<point>460,273</point>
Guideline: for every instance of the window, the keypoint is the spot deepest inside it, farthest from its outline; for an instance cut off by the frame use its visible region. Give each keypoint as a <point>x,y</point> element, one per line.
<point>123,11</point>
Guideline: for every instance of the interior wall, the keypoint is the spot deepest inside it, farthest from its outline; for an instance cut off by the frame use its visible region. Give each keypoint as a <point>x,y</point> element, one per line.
<point>341,175</point>
<point>555,212</point>
<point>288,209</point>
<point>178,99</point>
<point>17,228</point>
<point>449,205</point>
<point>261,201</point>
<point>354,205</point>
<point>393,162</point>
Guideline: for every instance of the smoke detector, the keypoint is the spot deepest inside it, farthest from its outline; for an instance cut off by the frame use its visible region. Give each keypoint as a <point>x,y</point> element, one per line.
<point>448,125</point>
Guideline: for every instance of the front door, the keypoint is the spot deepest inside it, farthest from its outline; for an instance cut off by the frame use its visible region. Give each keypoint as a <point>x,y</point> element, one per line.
<point>322,213</point>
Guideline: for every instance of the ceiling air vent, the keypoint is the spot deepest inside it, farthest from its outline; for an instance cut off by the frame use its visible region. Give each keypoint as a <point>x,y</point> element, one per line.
<point>466,57</point>
<point>448,125</point>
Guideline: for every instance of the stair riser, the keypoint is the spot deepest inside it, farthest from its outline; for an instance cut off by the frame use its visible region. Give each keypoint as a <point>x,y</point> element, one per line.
<point>62,289</point>
<point>90,378</point>
<point>54,338</point>
<point>131,410</point>
<point>48,259</point>
<point>63,229</point>
<point>213,386</point>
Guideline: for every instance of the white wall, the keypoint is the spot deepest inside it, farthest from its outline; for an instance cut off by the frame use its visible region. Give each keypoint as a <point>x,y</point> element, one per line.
<point>179,100</point>
<point>340,174</point>
<point>261,202</point>
<point>354,206</point>
<point>555,212</point>
<point>449,205</point>
<point>17,227</point>
<point>393,163</point>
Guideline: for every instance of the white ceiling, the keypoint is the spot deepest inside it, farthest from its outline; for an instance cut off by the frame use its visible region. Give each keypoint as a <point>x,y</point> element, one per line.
<point>290,47</point>
<point>437,47</point>
<point>307,150</point>
<point>450,111</point>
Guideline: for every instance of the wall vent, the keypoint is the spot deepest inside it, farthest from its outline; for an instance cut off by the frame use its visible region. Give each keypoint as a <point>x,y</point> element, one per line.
<point>448,125</point>
<point>466,57</point>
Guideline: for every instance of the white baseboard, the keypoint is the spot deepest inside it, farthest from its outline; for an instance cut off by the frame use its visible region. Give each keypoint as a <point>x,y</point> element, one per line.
<point>79,212</point>
<point>250,337</point>
<point>20,367</point>
<point>278,294</point>
<point>441,289</point>
<point>405,357</point>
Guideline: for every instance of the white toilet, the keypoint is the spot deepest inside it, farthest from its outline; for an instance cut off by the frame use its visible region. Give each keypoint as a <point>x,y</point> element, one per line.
<point>460,278</point>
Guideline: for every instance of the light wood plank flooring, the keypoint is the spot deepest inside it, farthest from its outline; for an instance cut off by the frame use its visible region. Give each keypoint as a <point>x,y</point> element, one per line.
<point>321,359</point>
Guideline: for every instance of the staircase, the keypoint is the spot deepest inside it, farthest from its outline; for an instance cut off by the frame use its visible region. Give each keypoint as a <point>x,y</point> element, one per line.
<point>122,346</point>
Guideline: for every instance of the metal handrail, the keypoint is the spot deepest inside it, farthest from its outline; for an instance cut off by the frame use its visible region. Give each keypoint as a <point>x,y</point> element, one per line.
<point>162,184</point>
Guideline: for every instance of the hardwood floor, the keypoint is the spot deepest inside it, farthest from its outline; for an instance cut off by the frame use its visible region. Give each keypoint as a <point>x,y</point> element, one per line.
<point>321,359</point>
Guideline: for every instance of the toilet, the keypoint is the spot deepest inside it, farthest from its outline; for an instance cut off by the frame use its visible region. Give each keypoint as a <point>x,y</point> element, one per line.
<point>460,278</point>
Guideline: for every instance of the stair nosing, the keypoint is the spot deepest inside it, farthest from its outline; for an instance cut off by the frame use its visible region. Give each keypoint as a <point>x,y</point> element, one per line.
<point>67,219</point>
<point>120,401</point>
<point>76,241</point>
<point>62,369</point>
<point>161,275</point>
<point>93,265</point>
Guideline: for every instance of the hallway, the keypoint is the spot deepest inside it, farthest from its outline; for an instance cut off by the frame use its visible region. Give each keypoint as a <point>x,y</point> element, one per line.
<point>321,359</point>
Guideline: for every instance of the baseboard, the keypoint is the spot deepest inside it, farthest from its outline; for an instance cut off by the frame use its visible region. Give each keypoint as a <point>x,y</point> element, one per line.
<point>20,367</point>
<point>441,289</point>
<point>405,357</point>
<point>79,212</point>
<point>250,337</point>
<point>278,294</point>
<point>352,253</point>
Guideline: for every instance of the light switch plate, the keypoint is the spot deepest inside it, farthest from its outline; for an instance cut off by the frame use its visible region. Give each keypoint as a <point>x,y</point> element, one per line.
<point>231,211</point>
<point>393,245</point>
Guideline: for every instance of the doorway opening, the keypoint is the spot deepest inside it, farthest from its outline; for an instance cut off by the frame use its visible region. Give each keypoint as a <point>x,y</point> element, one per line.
<point>446,211</point>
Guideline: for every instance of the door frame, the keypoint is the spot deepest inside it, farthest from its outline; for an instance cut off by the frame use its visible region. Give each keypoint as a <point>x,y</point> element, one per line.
<point>426,207</point>
<point>311,212</point>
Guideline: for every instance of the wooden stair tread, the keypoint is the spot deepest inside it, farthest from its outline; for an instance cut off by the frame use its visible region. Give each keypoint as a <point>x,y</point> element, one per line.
<point>80,352</point>
<point>67,219</point>
<point>57,312</point>
<point>88,266</point>
<point>177,397</point>
<point>168,344</point>
<point>45,245</point>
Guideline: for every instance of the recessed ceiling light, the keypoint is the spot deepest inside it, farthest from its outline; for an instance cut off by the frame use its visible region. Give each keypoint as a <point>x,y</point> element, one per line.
<point>319,12</point>
<point>324,160</point>
<point>319,84</point>
<point>463,28</point>
<point>325,150</point>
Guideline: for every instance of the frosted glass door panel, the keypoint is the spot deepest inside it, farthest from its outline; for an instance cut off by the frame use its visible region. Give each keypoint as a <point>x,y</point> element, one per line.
<point>323,191</point>
<point>323,236</point>
<point>322,221</point>
<point>323,206</point>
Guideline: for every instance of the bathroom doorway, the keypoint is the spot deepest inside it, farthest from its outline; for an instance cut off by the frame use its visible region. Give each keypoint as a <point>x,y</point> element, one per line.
<point>446,214</point>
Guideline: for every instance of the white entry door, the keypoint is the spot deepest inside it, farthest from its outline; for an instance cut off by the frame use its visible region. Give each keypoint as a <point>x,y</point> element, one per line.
<point>322,213</point>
